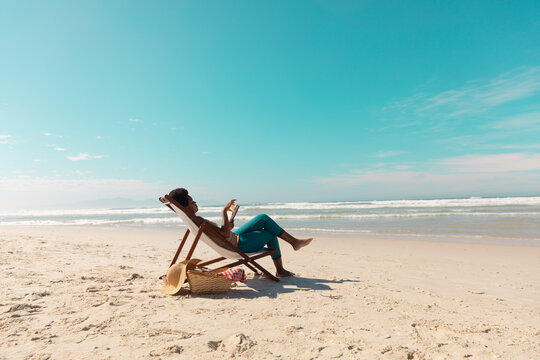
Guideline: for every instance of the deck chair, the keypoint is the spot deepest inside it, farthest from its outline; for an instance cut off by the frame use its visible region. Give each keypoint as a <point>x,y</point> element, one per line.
<point>223,248</point>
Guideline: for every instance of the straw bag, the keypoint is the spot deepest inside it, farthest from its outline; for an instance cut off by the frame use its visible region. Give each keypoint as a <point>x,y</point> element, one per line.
<point>207,282</point>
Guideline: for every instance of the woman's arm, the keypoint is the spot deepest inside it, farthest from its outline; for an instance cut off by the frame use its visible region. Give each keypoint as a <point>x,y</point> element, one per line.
<point>227,225</point>
<point>212,229</point>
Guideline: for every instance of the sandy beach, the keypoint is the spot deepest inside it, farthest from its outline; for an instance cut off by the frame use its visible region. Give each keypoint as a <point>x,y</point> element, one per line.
<point>94,294</point>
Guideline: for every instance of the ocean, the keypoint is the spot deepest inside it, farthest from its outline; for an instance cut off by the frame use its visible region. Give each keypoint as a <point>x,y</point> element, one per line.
<point>512,220</point>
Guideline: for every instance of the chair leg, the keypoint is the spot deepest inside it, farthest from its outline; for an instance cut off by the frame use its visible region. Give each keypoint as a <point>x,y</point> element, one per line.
<point>252,265</point>
<point>247,258</point>
<point>211,261</point>
<point>180,248</point>
<point>264,271</point>
<point>195,242</point>
<point>252,268</point>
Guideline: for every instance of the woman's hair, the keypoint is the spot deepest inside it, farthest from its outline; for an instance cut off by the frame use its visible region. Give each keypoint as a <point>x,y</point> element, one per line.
<point>180,195</point>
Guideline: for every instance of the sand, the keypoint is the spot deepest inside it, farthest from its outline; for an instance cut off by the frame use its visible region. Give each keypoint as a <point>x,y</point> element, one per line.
<point>94,294</point>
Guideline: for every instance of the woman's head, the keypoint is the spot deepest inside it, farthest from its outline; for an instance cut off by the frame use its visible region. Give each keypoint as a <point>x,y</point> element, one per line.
<point>182,197</point>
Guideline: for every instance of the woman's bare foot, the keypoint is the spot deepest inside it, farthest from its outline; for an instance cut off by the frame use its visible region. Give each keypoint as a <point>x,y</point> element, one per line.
<point>259,273</point>
<point>284,273</point>
<point>280,270</point>
<point>300,243</point>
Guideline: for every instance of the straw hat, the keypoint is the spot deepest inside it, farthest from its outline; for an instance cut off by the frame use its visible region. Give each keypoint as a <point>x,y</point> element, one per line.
<point>176,276</point>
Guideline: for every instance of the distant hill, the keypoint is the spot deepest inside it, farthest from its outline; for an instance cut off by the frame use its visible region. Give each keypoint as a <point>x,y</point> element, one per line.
<point>114,203</point>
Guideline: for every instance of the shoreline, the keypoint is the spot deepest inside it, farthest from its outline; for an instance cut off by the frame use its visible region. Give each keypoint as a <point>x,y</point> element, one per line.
<point>436,238</point>
<point>95,294</point>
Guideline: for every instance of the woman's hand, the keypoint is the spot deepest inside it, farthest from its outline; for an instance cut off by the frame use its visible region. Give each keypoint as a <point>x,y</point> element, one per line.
<point>228,225</point>
<point>229,205</point>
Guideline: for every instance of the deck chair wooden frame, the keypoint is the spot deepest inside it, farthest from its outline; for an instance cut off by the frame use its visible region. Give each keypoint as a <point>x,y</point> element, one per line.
<point>223,248</point>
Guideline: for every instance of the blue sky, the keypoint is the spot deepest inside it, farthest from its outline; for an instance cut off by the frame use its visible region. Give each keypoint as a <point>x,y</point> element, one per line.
<point>268,101</point>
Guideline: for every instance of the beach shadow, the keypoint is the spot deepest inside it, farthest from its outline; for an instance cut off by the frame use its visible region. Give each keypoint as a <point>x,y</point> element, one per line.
<point>261,287</point>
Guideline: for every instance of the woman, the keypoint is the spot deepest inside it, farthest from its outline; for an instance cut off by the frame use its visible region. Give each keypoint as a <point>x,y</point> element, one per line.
<point>252,236</point>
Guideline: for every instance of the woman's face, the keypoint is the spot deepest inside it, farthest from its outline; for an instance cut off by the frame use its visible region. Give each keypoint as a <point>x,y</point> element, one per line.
<point>192,205</point>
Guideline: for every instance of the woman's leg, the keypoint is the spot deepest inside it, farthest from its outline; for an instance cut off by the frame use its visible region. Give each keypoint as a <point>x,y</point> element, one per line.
<point>255,240</point>
<point>265,222</point>
<point>260,222</point>
<point>263,230</point>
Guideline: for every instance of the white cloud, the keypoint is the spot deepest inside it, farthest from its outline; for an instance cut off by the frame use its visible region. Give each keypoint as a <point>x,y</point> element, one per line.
<point>81,156</point>
<point>82,173</point>
<point>470,175</point>
<point>32,193</point>
<point>521,146</point>
<point>498,163</point>
<point>59,149</point>
<point>478,96</point>
<point>85,156</point>
<point>135,120</point>
<point>390,153</point>
<point>5,139</point>
<point>488,141</point>
<point>383,184</point>
<point>99,137</point>
<point>51,134</point>
<point>521,122</point>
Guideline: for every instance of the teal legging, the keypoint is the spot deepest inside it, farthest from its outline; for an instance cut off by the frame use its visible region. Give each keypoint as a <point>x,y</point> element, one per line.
<point>258,232</point>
